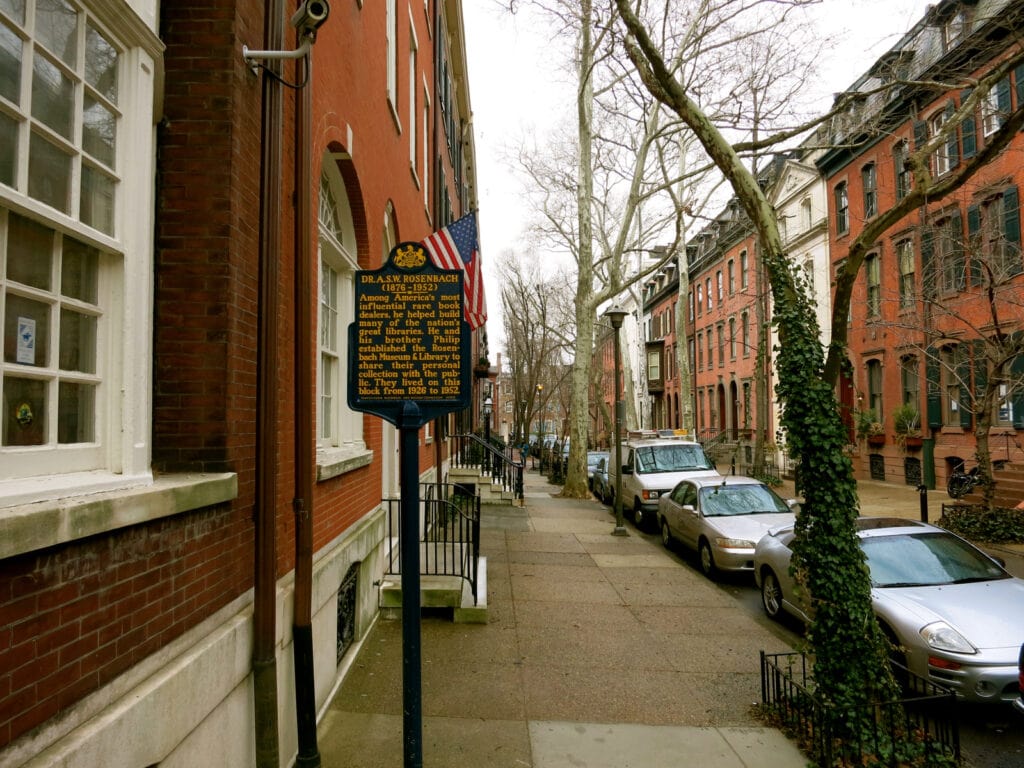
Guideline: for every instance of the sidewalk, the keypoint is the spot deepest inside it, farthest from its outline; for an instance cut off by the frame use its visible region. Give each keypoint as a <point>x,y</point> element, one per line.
<point>600,651</point>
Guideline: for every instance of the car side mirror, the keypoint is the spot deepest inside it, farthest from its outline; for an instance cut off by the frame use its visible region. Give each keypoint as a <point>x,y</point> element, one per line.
<point>627,469</point>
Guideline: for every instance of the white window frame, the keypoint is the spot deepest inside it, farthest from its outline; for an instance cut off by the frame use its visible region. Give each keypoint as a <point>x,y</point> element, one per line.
<point>413,105</point>
<point>339,429</point>
<point>391,57</point>
<point>120,454</point>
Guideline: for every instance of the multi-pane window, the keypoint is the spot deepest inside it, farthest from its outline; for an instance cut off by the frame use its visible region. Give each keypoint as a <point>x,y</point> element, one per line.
<point>337,425</point>
<point>869,183</point>
<point>721,345</point>
<point>707,289</point>
<point>75,393</point>
<point>52,335</point>
<point>700,299</point>
<point>941,160</point>
<point>743,269</point>
<point>949,253</point>
<point>996,107</point>
<point>805,214</point>
<point>842,208</point>
<point>999,247</point>
<point>711,351</point>
<point>732,338</point>
<point>1004,405</point>
<point>731,269</point>
<point>718,279</point>
<point>900,156</point>
<point>745,331</point>
<point>391,54</point>
<point>909,381</point>
<point>874,373</point>
<point>700,351</point>
<point>908,284</point>
<point>59,130</point>
<point>653,365</point>
<point>873,273</point>
<point>954,28</point>
<point>413,107</point>
<point>951,368</point>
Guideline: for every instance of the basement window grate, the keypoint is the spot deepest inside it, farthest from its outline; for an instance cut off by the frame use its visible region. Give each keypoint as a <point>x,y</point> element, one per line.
<point>347,610</point>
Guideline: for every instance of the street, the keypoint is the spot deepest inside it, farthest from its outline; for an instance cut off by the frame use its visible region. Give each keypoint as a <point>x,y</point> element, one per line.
<point>990,737</point>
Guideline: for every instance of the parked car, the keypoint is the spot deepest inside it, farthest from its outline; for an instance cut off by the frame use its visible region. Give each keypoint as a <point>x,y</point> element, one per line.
<point>952,613</point>
<point>593,459</point>
<point>652,467</point>
<point>1018,703</point>
<point>721,519</point>
<point>599,484</point>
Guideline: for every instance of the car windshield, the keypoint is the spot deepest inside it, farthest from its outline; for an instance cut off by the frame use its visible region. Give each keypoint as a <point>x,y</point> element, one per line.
<point>671,458</point>
<point>593,459</point>
<point>722,500</point>
<point>926,559</point>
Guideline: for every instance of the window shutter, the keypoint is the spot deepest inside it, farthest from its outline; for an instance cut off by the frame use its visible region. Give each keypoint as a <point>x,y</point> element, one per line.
<point>927,263</point>
<point>970,129</point>
<point>1018,76</point>
<point>973,228</point>
<point>933,379</point>
<point>920,133</point>
<point>963,375</point>
<point>956,227</point>
<point>952,145</point>
<point>1011,230</point>
<point>1017,382</point>
<point>1003,99</point>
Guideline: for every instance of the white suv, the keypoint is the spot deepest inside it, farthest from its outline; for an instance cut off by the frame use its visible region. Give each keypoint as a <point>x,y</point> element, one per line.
<point>655,466</point>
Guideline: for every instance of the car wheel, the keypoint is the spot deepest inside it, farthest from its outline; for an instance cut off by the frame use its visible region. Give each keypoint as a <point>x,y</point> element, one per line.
<point>707,560</point>
<point>666,534</point>
<point>771,594</point>
<point>639,516</point>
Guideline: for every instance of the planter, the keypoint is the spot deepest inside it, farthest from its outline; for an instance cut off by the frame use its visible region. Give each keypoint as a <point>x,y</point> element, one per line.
<point>913,443</point>
<point>482,371</point>
<point>876,441</point>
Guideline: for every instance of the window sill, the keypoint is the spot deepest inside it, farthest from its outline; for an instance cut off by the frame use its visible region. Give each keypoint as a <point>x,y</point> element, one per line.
<point>332,462</point>
<point>50,522</point>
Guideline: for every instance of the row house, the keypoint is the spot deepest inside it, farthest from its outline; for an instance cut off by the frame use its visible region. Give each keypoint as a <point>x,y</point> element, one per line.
<point>922,334</point>
<point>186,499</point>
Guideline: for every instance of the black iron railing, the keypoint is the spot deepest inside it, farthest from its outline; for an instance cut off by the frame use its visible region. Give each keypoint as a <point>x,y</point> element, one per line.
<point>449,537</point>
<point>920,729</point>
<point>498,464</point>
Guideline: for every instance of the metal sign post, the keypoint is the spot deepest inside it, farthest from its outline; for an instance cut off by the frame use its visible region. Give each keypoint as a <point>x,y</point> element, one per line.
<point>409,351</point>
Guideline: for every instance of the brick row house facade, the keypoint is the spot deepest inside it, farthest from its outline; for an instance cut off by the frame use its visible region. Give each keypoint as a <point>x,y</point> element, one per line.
<point>922,337</point>
<point>156,197</point>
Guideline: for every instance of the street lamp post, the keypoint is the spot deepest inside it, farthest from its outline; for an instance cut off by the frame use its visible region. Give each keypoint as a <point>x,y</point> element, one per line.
<point>616,315</point>
<point>488,403</point>
<point>540,428</point>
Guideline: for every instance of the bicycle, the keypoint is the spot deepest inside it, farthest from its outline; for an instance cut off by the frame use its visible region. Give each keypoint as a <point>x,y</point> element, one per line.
<point>961,483</point>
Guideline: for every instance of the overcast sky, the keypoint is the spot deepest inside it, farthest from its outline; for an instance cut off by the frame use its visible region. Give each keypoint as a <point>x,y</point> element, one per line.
<point>517,88</point>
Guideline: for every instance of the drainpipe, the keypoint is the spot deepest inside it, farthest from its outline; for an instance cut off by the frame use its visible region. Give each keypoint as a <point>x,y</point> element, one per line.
<point>302,623</point>
<point>264,661</point>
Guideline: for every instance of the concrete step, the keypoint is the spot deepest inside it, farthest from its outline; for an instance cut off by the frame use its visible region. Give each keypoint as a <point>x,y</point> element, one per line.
<point>439,592</point>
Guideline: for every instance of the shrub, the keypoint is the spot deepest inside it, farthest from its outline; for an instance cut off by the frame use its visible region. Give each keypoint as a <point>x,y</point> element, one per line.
<point>978,523</point>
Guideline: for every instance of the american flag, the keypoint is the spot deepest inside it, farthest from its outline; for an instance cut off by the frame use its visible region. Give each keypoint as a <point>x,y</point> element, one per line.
<point>455,247</point>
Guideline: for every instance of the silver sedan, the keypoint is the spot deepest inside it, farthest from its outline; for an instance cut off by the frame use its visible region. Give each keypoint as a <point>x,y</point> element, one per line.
<point>721,519</point>
<point>951,613</point>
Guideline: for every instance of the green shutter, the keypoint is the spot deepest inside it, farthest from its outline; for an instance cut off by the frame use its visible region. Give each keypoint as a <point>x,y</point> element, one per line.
<point>928,282</point>
<point>1017,384</point>
<point>1018,77</point>
<point>933,382</point>
<point>973,228</point>
<point>1003,99</point>
<point>1011,230</point>
<point>920,133</point>
<point>963,375</point>
<point>970,129</point>
<point>956,229</point>
<point>952,145</point>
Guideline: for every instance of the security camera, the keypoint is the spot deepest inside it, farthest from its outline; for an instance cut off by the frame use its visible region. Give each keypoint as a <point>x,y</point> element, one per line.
<point>310,16</point>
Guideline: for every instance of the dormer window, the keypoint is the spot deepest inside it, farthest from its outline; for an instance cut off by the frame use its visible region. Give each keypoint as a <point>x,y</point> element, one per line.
<point>954,28</point>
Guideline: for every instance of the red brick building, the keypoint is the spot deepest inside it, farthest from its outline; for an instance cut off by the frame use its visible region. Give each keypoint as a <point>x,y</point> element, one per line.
<point>920,313</point>
<point>155,417</point>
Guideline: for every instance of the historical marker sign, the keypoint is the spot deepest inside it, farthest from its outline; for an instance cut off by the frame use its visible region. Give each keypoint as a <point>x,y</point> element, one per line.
<point>409,341</point>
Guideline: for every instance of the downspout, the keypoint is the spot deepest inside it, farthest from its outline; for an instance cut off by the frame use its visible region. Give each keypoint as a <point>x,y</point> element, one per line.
<point>264,661</point>
<point>302,504</point>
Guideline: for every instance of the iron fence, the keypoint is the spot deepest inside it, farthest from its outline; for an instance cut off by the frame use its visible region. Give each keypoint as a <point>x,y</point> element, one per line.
<point>920,729</point>
<point>449,537</point>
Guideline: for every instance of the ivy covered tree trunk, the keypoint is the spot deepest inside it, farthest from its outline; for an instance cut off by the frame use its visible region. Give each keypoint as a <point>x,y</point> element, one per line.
<point>850,655</point>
